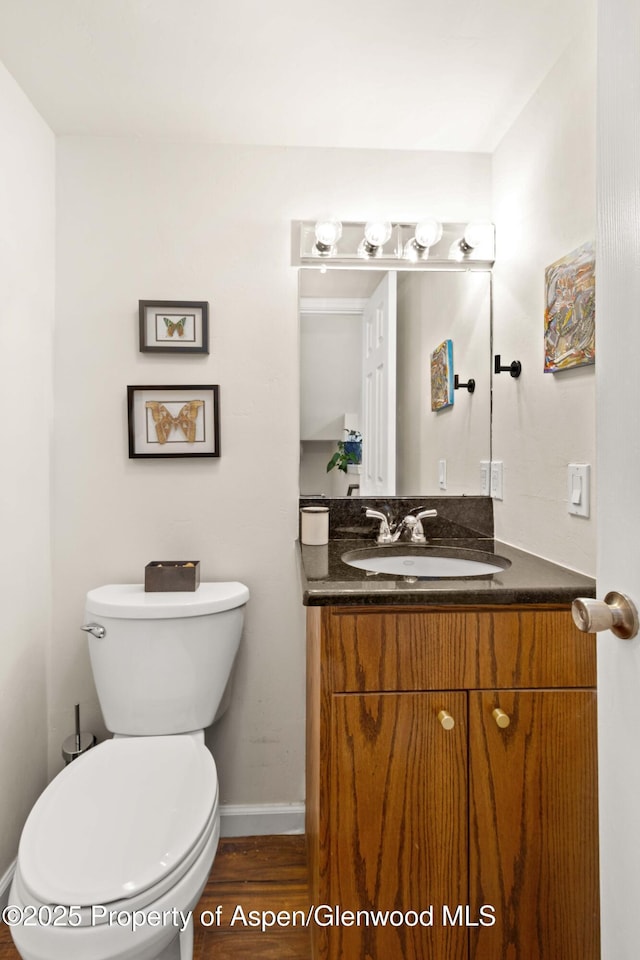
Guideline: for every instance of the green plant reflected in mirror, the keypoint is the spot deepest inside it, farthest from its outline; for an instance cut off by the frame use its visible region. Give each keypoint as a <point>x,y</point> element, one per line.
<point>349,452</point>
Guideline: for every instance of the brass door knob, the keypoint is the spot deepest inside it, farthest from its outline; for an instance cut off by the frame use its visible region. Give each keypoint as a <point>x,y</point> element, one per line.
<point>446,720</point>
<point>501,718</point>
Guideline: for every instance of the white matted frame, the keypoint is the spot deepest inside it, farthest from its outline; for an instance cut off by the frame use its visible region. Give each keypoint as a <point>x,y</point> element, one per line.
<point>174,326</point>
<point>174,421</point>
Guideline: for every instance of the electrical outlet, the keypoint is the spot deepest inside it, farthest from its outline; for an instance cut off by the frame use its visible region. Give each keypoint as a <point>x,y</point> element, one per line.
<point>496,479</point>
<point>485,478</point>
<point>442,474</point>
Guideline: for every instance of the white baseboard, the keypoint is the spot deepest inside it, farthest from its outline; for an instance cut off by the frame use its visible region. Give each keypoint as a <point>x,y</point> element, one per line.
<point>5,884</point>
<point>261,819</point>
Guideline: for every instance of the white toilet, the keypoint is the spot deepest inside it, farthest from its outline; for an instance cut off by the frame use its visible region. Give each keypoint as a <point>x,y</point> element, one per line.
<point>117,850</point>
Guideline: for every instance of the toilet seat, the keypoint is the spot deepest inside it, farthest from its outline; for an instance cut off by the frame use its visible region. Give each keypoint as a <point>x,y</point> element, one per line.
<point>122,824</point>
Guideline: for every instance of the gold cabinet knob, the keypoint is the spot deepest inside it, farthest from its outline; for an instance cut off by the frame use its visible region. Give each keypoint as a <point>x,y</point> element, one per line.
<point>501,718</point>
<point>446,720</point>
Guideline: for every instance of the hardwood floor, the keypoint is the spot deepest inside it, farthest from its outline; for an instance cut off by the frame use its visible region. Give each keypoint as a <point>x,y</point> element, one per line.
<point>262,874</point>
<point>254,874</point>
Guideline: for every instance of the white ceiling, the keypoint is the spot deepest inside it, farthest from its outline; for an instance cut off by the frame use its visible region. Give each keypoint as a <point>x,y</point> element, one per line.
<point>391,74</point>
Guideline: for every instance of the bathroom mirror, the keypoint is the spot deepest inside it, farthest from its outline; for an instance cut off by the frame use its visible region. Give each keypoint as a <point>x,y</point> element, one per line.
<point>423,452</point>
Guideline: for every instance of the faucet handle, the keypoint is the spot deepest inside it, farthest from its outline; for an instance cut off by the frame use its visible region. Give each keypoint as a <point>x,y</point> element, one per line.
<point>384,534</point>
<point>417,531</point>
<point>426,513</point>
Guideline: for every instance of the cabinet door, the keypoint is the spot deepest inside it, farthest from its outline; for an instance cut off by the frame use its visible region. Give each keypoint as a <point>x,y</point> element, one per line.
<point>398,824</point>
<point>533,824</point>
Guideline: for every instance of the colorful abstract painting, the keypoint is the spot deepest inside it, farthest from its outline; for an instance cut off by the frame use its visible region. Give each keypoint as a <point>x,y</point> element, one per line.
<point>570,311</point>
<point>442,376</point>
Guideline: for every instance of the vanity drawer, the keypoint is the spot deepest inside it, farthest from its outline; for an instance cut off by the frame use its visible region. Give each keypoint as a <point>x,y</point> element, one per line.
<point>454,648</point>
<point>391,649</point>
<point>524,647</point>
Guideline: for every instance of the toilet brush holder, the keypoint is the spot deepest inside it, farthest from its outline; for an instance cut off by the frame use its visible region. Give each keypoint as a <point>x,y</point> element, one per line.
<point>79,742</point>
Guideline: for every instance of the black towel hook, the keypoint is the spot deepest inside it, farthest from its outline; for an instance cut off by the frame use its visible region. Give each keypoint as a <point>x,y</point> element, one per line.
<point>470,385</point>
<point>514,368</point>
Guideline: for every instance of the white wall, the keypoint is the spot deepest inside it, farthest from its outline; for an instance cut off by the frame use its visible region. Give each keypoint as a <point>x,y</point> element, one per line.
<point>161,220</point>
<point>330,394</point>
<point>544,207</point>
<point>27,171</point>
<point>330,370</point>
<point>433,307</point>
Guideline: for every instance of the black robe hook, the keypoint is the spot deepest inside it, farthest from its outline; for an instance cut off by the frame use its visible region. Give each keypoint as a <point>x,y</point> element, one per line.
<point>514,368</point>
<point>470,385</point>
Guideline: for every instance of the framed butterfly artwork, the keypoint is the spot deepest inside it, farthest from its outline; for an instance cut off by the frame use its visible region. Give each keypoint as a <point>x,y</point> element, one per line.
<point>174,421</point>
<point>174,326</point>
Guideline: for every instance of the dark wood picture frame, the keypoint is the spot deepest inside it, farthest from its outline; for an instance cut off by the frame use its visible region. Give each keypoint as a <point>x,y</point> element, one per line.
<point>174,326</point>
<point>173,421</point>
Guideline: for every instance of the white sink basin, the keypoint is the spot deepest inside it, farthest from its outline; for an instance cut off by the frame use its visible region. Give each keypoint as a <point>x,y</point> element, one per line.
<point>405,560</point>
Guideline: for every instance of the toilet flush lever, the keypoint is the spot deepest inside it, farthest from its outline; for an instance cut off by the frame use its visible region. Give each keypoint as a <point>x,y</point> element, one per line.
<point>94,628</point>
<point>616,613</point>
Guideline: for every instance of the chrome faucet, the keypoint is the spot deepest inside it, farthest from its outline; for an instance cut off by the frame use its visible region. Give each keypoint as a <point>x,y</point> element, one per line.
<point>410,522</point>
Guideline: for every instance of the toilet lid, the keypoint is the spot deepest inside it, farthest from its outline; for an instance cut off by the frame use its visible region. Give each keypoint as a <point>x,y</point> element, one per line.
<point>130,601</point>
<point>117,820</point>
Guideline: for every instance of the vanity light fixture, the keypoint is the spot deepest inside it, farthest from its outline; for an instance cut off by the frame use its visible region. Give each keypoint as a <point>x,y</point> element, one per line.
<point>427,244</point>
<point>427,234</point>
<point>327,233</point>
<point>376,234</point>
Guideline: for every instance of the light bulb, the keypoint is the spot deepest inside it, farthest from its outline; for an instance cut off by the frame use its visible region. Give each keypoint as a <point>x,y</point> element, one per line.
<point>377,232</point>
<point>476,233</point>
<point>327,232</point>
<point>428,233</point>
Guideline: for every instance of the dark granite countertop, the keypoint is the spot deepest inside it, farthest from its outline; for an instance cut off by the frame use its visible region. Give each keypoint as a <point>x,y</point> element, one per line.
<point>328,581</point>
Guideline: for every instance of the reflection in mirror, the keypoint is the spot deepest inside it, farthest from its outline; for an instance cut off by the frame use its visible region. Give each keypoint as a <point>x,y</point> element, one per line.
<point>436,452</point>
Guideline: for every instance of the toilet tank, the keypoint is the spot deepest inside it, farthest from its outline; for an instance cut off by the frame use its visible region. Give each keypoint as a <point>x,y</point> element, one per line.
<point>165,659</point>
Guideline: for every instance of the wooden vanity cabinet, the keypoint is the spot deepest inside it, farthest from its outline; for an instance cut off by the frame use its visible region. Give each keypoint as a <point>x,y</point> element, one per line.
<point>474,821</point>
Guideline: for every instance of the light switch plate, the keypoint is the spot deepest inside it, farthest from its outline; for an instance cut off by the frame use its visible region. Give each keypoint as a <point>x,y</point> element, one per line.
<point>578,489</point>
<point>485,478</point>
<point>442,474</point>
<point>496,479</point>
